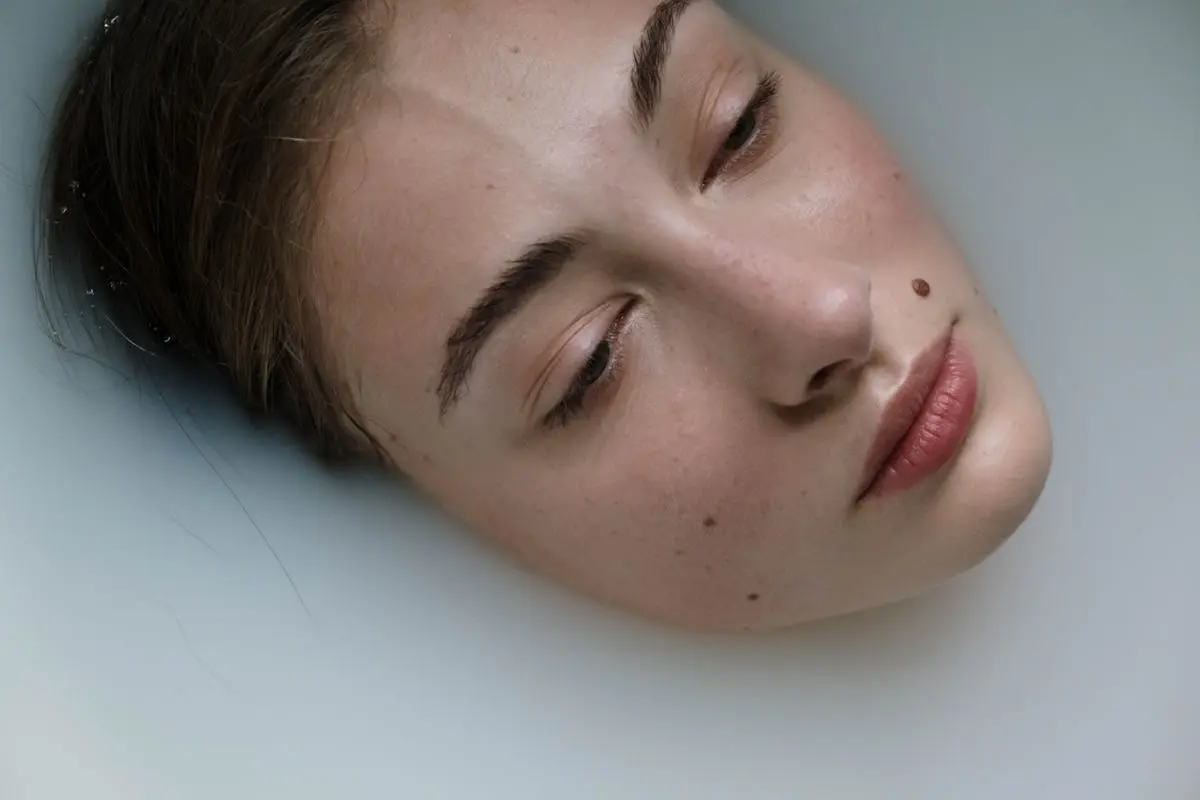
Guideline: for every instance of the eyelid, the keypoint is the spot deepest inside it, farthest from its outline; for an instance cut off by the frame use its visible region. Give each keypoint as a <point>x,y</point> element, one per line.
<point>720,90</point>
<point>552,366</point>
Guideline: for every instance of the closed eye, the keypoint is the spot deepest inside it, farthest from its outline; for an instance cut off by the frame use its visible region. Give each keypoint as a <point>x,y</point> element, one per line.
<point>601,369</point>
<point>751,133</point>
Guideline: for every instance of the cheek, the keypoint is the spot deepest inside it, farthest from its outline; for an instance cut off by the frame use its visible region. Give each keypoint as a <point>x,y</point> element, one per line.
<point>845,184</point>
<point>693,518</point>
<point>646,497</point>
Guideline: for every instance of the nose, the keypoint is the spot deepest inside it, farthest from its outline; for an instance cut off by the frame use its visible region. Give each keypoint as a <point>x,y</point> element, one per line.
<point>793,328</point>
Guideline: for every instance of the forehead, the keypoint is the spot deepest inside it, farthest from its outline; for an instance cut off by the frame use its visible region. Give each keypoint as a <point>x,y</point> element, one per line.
<point>445,31</point>
<point>494,123</point>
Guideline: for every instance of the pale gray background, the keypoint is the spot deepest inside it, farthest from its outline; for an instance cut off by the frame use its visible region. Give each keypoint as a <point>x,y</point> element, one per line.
<point>151,645</point>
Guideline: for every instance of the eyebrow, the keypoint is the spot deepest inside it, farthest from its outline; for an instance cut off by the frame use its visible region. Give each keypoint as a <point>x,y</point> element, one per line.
<point>535,269</point>
<point>542,262</point>
<point>650,59</point>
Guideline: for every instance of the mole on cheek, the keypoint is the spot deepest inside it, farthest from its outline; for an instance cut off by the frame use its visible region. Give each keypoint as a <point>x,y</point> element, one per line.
<point>921,287</point>
<point>753,598</point>
<point>710,522</point>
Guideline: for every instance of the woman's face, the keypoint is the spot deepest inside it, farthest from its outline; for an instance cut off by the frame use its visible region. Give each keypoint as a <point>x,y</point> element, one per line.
<point>650,305</point>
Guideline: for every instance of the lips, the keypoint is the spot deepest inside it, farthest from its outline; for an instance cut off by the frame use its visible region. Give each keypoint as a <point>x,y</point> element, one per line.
<point>925,422</point>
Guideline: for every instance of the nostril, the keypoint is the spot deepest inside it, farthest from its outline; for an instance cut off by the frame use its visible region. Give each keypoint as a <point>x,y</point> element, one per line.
<point>824,376</point>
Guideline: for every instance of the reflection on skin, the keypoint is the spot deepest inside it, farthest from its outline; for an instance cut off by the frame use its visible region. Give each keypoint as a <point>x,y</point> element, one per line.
<point>635,295</point>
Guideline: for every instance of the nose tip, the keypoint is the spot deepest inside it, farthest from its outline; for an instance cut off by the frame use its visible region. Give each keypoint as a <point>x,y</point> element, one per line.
<point>794,327</point>
<point>834,340</point>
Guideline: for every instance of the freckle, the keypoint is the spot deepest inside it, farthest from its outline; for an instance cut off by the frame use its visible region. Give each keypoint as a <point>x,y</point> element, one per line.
<point>710,522</point>
<point>680,553</point>
<point>896,176</point>
<point>516,51</point>
<point>491,187</point>
<point>752,598</point>
<point>921,287</point>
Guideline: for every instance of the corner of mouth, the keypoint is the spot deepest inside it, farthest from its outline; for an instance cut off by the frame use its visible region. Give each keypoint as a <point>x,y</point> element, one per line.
<point>880,461</point>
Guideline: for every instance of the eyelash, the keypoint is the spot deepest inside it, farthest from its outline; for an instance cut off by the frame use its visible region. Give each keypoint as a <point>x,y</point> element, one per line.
<point>762,107</point>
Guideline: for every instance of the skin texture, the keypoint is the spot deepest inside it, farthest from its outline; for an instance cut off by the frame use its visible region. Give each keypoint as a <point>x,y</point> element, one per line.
<point>712,481</point>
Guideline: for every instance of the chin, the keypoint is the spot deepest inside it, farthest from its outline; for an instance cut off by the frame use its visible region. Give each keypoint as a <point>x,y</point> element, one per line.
<point>1001,475</point>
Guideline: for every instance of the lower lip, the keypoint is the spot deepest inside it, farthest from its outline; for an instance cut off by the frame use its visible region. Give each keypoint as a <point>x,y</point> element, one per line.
<point>939,430</point>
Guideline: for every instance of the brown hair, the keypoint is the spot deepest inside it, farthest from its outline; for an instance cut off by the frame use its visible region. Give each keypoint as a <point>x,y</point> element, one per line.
<point>184,178</point>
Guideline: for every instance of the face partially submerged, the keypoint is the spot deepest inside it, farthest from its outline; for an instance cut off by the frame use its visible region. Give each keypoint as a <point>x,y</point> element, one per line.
<point>655,323</point>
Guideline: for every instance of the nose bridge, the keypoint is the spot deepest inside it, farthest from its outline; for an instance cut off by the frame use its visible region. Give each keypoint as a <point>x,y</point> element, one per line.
<point>784,317</point>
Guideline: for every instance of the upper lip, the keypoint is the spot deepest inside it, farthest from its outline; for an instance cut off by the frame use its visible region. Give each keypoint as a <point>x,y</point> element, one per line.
<point>904,408</point>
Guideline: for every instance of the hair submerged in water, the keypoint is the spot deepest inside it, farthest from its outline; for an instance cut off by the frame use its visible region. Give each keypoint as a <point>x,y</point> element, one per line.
<point>184,180</point>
